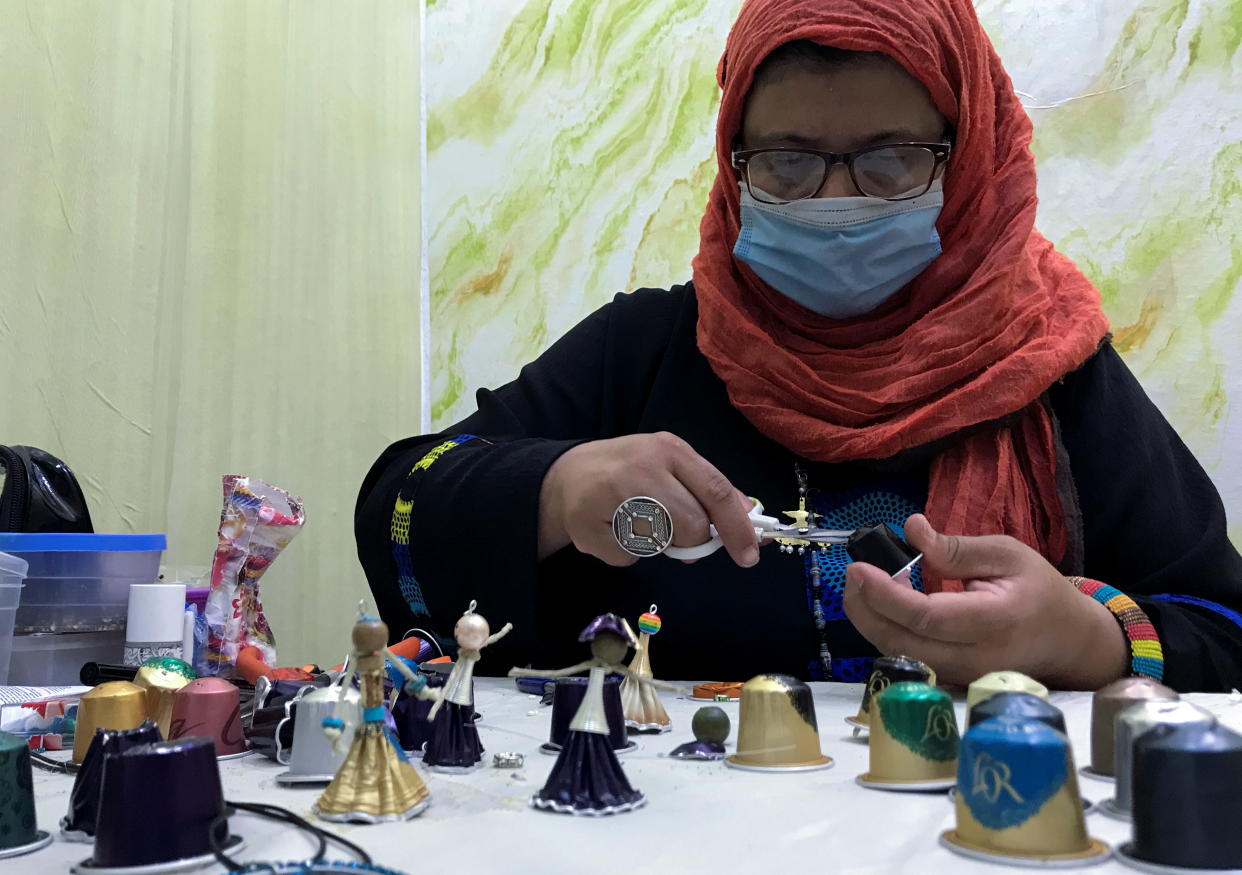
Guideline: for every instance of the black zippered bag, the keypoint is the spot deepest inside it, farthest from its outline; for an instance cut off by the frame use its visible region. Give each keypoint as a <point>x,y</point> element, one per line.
<point>40,493</point>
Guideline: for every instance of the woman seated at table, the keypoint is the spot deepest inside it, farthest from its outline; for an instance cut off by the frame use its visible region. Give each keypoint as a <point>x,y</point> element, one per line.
<point>872,315</point>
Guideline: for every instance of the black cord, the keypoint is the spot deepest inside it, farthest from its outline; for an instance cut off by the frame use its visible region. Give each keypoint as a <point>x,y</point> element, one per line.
<point>282,815</point>
<point>64,767</point>
<point>357,850</point>
<point>212,832</point>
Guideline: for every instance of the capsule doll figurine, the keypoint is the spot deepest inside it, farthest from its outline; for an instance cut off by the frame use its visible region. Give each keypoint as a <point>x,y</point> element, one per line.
<point>587,778</point>
<point>640,702</point>
<point>454,744</point>
<point>375,783</point>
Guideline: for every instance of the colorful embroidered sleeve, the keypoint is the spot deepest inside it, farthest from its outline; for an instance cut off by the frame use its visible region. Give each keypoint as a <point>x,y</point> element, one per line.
<point>1146,654</point>
<point>410,590</point>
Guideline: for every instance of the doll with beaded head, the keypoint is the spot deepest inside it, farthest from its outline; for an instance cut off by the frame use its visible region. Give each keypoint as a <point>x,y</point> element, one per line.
<point>641,703</point>
<point>587,778</point>
<point>454,744</point>
<point>375,783</point>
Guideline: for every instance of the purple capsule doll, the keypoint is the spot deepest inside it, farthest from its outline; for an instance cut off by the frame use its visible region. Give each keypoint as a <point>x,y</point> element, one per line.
<point>454,743</point>
<point>587,778</point>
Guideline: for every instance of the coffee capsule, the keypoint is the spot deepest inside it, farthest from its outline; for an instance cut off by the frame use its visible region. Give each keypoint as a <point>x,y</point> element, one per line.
<point>269,712</point>
<point>568,696</point>
<point>112,705</point>
<point>914,741</point>
<point>777,728</point>
<point>1106,704</point>
<point>1017,799</point>
<point>180,777</point>
<point>210,707</point>
<point>1017,705</point>
<point>79,824</point>
<point>1003,682</point>
<point>1186,801</point>
<point>19,832</point>
<point>1132,723</point>
<point>161,677</point>
<point>314,758</point>
<point>411,715</point>
<point>889,670</point>
<point>711,727</point>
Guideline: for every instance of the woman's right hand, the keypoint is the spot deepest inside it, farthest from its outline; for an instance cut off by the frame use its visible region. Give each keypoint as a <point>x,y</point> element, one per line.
<point>584,487</point>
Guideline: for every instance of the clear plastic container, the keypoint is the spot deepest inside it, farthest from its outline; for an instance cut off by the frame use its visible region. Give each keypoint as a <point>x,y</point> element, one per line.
<point>56,660</point>
<point>80,582</point>
<point>12,573</point>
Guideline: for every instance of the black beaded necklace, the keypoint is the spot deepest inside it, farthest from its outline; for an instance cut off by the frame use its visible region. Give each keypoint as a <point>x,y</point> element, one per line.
<point>817,587</point>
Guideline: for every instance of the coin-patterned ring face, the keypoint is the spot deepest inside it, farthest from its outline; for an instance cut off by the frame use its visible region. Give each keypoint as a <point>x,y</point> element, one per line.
<point>642,526</point>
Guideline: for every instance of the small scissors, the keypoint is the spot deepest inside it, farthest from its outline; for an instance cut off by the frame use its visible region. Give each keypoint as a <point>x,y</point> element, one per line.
<point>875,544</point>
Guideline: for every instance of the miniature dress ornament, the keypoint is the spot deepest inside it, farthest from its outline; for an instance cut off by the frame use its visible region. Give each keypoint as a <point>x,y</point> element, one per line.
<point>454,744</point>
<point>640,702</point>
<point>375,783</point>
<point>587,778</point>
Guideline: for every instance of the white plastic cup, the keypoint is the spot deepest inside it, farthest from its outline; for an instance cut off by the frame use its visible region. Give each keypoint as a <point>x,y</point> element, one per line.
<point>155,623</point>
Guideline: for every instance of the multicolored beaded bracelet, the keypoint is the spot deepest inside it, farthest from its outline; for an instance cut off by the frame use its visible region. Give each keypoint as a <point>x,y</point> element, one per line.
<point>1146,655</point>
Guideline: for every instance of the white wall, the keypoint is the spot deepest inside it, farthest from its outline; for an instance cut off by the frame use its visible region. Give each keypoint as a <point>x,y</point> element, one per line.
<point>209,263</point>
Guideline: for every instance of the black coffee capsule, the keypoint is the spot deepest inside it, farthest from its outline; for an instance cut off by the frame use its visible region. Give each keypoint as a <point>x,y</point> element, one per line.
<point>1185,796</point>
<point>879,545</point>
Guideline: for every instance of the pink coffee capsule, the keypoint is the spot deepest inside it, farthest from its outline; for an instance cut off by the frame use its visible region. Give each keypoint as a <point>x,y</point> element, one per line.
<point>209,707</point>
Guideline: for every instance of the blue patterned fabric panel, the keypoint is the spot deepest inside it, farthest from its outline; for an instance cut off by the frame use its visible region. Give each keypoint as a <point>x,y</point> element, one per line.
<point>892,504</point>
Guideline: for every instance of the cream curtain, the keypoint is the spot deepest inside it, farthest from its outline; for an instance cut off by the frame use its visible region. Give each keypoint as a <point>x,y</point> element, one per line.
<point>209,264</point>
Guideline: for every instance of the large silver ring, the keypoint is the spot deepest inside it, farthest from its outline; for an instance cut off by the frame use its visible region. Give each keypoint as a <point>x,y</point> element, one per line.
<point>642,526</point>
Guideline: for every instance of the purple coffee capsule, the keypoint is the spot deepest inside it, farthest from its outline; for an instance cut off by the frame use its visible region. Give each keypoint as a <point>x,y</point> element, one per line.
<point>410,716</point>
<point>565,702</point>
<point>159,804</point>
<point>79,824</point>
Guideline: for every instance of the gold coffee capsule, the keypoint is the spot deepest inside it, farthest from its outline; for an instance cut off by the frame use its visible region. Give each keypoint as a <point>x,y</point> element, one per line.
<point>914,741</point>
<point>161,678</point>
<point>114,705</point>
<point>777,726</point>
<point>889,670</point>
<point>1106,704</point>
<point>1003,682</point>
<point>1017,797</point>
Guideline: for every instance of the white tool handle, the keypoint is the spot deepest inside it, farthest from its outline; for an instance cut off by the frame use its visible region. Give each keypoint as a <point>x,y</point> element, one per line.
<point>702,551</point>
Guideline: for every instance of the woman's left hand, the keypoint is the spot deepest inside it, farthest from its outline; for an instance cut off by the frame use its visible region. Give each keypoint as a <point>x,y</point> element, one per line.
<point>1017,613</point>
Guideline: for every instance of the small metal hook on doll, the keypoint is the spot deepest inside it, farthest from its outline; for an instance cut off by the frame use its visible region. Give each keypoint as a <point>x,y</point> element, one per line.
<point>473,605</point>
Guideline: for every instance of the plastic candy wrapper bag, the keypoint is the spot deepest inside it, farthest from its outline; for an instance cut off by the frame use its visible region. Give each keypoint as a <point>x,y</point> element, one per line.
<point>257,522</point>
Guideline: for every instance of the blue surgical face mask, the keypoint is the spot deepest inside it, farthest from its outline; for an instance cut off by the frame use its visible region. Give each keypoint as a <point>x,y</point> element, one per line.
<point>840,256</point>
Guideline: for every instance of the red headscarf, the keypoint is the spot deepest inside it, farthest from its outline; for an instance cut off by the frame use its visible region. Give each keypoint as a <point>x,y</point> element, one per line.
<point>980,335</point>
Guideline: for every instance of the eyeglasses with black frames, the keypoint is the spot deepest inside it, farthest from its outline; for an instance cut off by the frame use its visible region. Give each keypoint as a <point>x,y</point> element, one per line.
<point>892,172</point>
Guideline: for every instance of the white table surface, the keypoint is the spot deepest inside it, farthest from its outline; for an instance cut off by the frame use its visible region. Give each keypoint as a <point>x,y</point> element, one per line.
<point>700,817</point>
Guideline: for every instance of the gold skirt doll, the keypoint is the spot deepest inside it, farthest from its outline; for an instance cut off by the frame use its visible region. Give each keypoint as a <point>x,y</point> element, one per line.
<point>376,783</point>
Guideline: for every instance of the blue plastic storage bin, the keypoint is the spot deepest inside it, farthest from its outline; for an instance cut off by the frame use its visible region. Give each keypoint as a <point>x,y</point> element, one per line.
<point>80,582</point>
